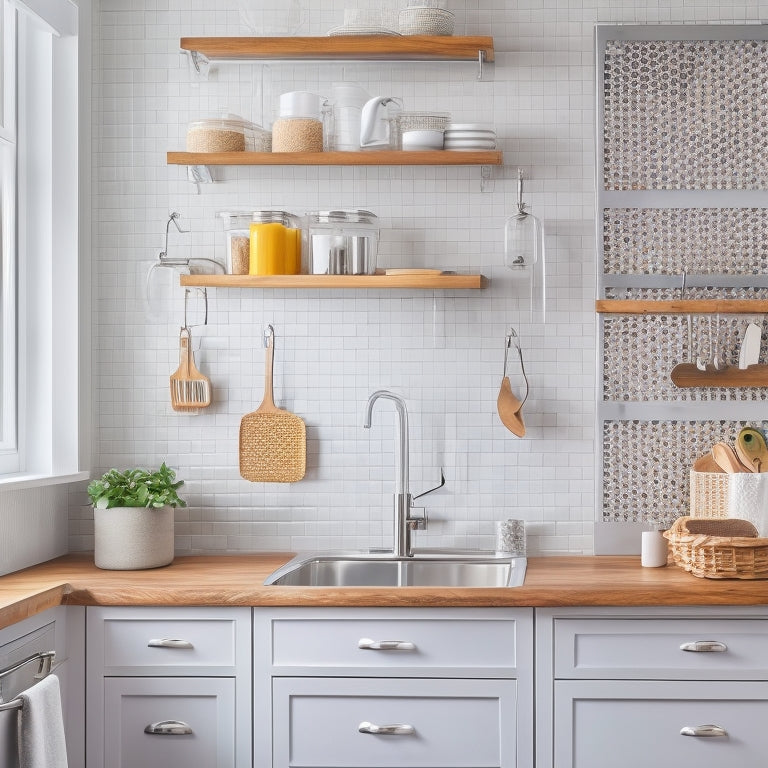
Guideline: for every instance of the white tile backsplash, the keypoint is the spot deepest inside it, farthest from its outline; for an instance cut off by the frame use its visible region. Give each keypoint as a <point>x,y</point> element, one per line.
<point>442,350</point>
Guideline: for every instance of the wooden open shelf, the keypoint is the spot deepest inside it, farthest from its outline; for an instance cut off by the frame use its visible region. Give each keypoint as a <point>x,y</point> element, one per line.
<point>354,47</point>
<point>687,375</point>
<point>444,281</point>
<point>364,157</point>
<point>687,307</point>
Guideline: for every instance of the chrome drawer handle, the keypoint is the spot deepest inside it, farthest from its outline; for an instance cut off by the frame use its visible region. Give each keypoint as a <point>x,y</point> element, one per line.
<point>703,731</point>
<point>168,642</point>
<point>705,646</point>
<point>384,645</point>
<point>386,730</point>
<point>168,728</point>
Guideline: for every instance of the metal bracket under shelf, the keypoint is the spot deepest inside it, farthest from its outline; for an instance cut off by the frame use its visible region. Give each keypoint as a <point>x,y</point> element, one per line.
<point>486,178</point>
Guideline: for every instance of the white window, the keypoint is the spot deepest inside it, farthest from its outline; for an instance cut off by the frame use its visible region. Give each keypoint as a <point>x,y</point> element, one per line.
<point>40,348</point>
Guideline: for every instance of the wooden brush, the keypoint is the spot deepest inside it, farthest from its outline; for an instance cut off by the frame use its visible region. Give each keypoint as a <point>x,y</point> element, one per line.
<point>189,388</point>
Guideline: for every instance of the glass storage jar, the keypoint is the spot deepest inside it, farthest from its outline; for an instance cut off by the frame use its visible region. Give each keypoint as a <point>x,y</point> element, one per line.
<point>275,243</point>
<point>342,242</point>
<point>237,230</point>
<point>299,127</point>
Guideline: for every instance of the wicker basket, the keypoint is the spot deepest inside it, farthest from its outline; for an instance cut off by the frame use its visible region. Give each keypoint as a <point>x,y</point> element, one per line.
<point>718,548</point>
<point>709,494</point>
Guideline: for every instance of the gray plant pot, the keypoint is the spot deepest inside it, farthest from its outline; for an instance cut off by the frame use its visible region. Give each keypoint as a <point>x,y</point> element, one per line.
<point>132,538</point>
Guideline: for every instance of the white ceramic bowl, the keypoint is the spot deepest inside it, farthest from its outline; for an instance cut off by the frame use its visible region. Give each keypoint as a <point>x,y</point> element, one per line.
<point>416,140</point>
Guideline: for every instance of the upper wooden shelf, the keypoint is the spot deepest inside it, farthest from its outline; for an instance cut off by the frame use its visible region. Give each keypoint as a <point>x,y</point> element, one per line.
<point>687,307</point>
<point>364,157</point>
<point>356,47</point>
<point>444,281</point>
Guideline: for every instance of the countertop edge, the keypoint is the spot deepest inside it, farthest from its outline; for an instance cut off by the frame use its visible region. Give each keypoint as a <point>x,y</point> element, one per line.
<point>237,580</point>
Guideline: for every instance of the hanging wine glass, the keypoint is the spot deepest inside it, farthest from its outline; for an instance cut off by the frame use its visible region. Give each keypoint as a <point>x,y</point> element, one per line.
<point>524,251</point>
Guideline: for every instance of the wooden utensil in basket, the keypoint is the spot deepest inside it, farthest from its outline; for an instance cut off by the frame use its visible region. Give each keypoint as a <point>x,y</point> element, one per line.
<point>273,442</point>
<point>190,389</point>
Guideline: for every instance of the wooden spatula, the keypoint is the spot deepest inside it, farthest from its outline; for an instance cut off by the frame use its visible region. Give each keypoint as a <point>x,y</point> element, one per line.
<point>751,450</point>
<point>189,388</point>
<point>726,457</point>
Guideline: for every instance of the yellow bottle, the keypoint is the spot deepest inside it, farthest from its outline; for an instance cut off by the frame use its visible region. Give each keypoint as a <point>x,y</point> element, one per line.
<point>275,247</point>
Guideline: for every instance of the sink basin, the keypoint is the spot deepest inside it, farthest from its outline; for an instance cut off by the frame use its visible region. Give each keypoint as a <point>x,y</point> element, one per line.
<point>424,569</point>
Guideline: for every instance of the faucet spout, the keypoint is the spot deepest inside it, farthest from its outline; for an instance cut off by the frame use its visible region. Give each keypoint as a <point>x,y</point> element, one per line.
<point>403,521</point>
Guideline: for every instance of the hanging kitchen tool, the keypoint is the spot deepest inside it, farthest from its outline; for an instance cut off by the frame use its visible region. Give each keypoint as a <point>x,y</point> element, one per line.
<point>508,404</point>
<point>752,450</point>
<point>273,442</point>
<point>749,352</point>
<point>190,389</point>
<point>727,459</point>
<point>524,252</point>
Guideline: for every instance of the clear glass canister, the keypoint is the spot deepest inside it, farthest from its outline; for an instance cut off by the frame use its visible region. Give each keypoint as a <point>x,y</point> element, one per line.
<point>342,242</point>
<point>237,229</point>
<point>300,126</point>
<point>275,243</point>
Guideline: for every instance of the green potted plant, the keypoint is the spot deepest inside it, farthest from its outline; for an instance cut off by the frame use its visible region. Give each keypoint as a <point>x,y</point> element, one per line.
<point>133,517</point>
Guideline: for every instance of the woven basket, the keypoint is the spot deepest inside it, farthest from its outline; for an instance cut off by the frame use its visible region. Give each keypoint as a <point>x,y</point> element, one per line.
<point>709,494</point>
<point>718,548</point>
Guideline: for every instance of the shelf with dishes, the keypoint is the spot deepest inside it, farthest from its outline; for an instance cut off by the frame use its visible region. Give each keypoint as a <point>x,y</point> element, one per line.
<point>364,157</point>
<point>397,278</point>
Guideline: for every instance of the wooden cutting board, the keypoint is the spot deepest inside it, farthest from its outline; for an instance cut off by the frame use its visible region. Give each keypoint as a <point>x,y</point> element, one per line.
<point>273,441</point>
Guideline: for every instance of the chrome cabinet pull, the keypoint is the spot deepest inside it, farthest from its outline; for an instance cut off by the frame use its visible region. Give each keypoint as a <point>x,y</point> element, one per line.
<point>168,728</point>
<point>384,645</point>
<point>703,731</point>
<point>399,729</point>
<point>705,646</point>
<point>168,642</point>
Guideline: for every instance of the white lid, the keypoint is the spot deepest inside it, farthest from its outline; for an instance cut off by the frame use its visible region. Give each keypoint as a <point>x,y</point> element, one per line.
<point>300,104</point>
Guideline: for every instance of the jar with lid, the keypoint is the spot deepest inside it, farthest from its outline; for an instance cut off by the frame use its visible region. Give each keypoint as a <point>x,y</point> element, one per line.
<point>300,126</point>
<point>275,243</point>
<point>343,242</point>
<point>237,230</point>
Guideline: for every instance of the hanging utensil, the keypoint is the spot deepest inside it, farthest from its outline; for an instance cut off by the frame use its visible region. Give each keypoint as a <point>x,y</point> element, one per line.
<point>508,404</point>
<point>273,442</point>
<point>727,459</point>
<point>749,352</point>
<point>524,251</point>
<point>190,389</point>
<point>752,450</point>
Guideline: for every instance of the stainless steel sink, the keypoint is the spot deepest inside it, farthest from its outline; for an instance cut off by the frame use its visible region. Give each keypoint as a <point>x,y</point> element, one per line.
<point>432,568</point>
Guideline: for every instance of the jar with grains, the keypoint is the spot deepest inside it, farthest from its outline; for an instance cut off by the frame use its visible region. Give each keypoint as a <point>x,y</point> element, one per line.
<point>216,135</point>
<point>275,243</point>
<point>237,228</point>
<point>299,127</point>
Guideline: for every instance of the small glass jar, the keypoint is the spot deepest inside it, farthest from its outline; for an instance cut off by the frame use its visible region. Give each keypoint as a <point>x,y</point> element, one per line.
<point>342,242</point>
<point>275,243</point>
<point>237,230</point>
<point>299,127</point>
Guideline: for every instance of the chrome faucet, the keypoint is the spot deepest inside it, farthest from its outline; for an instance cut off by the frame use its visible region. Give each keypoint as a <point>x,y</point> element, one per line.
<point>404,521</point>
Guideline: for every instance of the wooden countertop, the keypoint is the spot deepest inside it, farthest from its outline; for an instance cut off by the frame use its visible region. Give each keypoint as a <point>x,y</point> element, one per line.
<point>238,580</point>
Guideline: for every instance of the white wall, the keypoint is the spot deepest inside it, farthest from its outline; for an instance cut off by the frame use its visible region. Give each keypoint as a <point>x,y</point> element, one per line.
<point>442,351</point>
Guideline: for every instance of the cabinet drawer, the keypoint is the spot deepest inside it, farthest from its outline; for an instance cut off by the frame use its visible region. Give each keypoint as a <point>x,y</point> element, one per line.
<point>455,723</point>
<point>651,648</point>
<point>462,643</point>
<point>168,641</point>
<point>637,724</point>
<point>206,706</point>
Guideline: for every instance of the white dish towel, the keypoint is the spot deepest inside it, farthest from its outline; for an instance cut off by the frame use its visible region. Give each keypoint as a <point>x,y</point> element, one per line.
<point>41,726</point>
<point>748,499</point>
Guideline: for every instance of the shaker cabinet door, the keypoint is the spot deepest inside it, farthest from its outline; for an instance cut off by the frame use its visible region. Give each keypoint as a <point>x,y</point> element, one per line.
<point>636,724</point>
<point>192,722</point>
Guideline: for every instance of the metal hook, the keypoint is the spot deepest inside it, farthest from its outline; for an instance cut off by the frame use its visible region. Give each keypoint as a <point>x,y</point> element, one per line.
<point>520,204</point>
<point>269,336</point>
<point>174,217</point>
<point>513,337</point>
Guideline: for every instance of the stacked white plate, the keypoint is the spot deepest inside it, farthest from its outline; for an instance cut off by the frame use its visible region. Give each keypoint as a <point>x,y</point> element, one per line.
<point>469,137</point>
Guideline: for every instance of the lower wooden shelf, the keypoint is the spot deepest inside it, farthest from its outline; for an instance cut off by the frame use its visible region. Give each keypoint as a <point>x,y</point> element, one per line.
<point>687,375</point>
<point>441,281</point>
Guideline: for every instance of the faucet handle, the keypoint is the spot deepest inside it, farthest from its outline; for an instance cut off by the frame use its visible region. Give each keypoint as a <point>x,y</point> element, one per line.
<point>417,519</point>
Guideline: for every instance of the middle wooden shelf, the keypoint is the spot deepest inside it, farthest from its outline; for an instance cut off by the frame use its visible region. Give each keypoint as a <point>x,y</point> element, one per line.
<point>363,157</point>
<point>441,281</point>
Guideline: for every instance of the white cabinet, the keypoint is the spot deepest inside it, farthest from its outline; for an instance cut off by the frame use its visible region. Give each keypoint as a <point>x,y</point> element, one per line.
<point>661,686</point>
<point>169,687</point>
<point>60,630</point>
<point>393,687</point>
